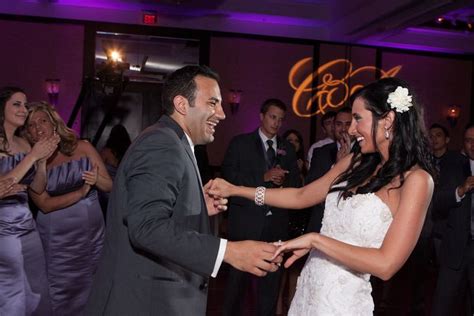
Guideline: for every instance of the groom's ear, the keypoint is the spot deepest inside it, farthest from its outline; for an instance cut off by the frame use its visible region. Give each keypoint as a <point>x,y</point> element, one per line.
<point>180,104</point>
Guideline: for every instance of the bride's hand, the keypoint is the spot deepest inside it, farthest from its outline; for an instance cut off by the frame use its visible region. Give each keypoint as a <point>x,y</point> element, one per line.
<point>215,204</point>
<point>299,247</point>
<point>220,188</point>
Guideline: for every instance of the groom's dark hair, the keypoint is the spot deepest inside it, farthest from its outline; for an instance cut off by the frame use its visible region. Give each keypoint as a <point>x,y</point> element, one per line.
<point>181,82</point>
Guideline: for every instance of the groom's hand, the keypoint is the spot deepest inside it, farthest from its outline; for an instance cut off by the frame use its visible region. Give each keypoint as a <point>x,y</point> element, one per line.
<point>252,256</point>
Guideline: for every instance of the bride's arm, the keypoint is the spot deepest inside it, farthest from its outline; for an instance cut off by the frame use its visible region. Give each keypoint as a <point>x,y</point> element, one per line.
<point>399,241</point>
<point>289,198</point>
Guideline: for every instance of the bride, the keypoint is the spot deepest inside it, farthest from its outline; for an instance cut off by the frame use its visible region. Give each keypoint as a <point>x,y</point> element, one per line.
<point>376,202</point>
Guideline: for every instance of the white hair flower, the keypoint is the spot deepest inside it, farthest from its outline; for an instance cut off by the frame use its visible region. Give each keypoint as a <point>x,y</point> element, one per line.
<point>400,100</point>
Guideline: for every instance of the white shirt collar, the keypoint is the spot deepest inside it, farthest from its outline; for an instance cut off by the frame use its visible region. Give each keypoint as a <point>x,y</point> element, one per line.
<point>264,139</point>
<point>190,141</point>
<point>471,162</point>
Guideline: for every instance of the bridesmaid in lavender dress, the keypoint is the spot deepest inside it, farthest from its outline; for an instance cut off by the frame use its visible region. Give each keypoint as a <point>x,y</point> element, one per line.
<point>70,223</point>
<point>23,287</point>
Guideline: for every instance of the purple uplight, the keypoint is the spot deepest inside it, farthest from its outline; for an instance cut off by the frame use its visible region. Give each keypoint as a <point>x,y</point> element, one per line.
<point>133,6</point>
<point>274,19</point>
<point>103,4</point>
<point>412,47</point>
<point>433,31</point>
<point>424,39</point>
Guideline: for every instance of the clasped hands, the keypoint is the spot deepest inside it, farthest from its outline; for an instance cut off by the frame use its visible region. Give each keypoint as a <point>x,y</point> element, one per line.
<point>257,257</point>
<point>276,175</point>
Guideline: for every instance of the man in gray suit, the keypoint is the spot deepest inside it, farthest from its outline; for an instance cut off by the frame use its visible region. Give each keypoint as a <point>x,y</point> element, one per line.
<point>158,251</point>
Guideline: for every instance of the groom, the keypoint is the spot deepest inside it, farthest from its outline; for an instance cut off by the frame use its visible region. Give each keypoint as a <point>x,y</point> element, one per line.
<point>158,251</point>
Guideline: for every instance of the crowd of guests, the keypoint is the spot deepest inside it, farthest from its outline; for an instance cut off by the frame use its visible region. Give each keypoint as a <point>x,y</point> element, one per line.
<point>48,262</point>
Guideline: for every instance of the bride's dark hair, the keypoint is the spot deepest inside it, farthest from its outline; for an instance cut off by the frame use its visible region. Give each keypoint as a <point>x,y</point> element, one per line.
<point>409,145</point>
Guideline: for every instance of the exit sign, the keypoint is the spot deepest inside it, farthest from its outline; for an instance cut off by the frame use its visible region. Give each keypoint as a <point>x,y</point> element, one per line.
<point>149,18</point>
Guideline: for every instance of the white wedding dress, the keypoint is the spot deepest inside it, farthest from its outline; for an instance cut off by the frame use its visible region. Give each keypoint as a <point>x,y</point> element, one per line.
<point>327,288</point>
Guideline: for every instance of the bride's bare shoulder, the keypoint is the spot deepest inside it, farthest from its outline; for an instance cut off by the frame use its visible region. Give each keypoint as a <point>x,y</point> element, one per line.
<point>418,177</point>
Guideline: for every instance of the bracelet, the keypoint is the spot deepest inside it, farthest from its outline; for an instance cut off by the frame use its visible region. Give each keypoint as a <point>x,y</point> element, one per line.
<point>260,196</point>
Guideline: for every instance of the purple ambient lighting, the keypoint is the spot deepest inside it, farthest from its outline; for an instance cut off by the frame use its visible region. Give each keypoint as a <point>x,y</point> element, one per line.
<point>103,4</point>
<point>412,47</point>
<point>421,31</point>
<point>274,19</point>
<point>189,11</point>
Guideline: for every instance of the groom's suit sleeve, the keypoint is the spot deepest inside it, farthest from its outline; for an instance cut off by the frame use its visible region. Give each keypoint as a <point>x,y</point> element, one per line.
<point>165,203</point>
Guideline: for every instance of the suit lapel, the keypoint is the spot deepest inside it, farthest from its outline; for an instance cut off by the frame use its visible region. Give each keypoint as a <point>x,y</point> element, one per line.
<point>204,213</point>
<point>191,156</point>
<point>281,152</point>
<point>262,156</point>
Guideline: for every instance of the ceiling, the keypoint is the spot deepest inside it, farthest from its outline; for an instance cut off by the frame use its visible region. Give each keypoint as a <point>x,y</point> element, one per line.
<point>406,24</point>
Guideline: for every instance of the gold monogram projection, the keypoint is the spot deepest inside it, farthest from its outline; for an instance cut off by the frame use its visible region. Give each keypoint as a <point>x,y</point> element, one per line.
<point>331,92</point>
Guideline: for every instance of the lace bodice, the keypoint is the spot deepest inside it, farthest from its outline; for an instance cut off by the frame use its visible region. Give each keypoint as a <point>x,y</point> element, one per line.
<point>327,288</point>
<point>361,220</point>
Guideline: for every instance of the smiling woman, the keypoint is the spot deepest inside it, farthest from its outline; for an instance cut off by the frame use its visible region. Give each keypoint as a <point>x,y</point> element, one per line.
<point>376,200</point>
<point>23,285</point>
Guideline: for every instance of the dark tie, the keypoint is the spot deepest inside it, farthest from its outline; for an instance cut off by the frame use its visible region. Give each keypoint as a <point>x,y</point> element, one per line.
<point>270,154</point>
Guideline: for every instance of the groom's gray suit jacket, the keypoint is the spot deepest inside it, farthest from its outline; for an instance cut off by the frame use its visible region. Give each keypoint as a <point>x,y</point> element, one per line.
<point>158,251</point>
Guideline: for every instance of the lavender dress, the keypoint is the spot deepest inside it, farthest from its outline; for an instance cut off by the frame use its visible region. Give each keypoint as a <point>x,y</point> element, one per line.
<point>23,284</point>
<point>72,239</point>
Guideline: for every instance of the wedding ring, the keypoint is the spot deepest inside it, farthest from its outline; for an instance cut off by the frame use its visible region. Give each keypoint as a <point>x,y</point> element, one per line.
<point>279,264</point>
<point>279,242</point>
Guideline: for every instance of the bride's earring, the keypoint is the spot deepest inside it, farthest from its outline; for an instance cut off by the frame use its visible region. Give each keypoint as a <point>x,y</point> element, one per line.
<point>386,134</point>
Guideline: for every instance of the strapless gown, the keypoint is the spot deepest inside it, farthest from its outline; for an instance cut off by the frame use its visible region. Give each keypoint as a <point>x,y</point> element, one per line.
<point>72,239</point>
<point>327,288</point>
<point>23,284</point>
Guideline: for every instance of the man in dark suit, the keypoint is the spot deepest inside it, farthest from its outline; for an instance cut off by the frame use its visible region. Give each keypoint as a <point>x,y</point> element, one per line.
<point>324,157</point>
<point>439,137</point>
<point>260,158</point>
<point>454,195</point>
<point>158,251</point>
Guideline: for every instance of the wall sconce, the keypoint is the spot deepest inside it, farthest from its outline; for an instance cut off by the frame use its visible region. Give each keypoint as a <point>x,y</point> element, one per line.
<point>52,88</point>
<point>453,115</point>
<point>234,100</point>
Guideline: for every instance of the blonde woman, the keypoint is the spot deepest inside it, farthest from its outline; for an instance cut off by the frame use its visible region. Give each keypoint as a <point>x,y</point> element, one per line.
<point>70,223</point>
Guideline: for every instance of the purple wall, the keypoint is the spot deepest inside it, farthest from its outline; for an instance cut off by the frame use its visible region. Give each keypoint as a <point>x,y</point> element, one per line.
<point>33,52</point>
<point>260,69</point>
<point>439,83</point>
